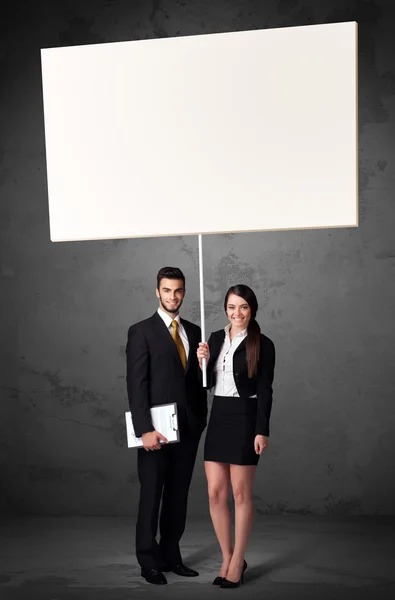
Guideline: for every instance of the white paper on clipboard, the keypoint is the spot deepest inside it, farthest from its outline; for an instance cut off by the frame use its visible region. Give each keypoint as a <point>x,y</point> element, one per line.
<point>165,421</point>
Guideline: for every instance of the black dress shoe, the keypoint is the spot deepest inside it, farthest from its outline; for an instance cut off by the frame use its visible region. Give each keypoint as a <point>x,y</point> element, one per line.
<point>180,569</point>
<point>218,580</point>
<point>153,576</point>
<point>226,584</point>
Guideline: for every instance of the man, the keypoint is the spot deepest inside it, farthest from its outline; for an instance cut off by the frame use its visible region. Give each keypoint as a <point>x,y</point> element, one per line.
<point>162,367</point>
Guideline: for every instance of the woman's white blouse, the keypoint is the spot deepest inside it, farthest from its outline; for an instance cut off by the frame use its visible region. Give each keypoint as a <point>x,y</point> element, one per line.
<point>224,382</point>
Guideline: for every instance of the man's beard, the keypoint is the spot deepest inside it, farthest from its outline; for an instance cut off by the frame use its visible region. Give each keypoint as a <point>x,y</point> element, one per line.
<point>172,309</point>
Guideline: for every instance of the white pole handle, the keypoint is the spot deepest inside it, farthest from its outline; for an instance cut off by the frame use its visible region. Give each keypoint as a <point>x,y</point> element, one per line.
<point>202,323</point>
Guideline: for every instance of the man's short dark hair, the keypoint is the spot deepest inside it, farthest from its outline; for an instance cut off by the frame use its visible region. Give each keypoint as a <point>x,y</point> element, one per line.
<point>169,273</point>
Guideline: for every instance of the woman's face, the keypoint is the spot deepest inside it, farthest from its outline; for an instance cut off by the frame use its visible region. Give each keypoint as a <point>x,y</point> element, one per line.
<point>238,311</point>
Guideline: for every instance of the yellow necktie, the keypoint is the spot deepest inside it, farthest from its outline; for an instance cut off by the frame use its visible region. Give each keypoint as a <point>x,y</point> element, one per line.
<point>180,346</point>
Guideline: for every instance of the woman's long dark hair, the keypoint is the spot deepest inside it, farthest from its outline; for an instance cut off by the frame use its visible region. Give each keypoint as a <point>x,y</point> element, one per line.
<point>253,343</point>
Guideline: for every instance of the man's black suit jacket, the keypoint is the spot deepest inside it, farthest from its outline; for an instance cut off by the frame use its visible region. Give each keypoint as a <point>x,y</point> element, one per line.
<point>261,384</point>
<point>155,375</point>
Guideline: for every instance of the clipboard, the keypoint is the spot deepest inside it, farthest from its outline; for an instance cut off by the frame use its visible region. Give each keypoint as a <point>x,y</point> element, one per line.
<point>164,419</point>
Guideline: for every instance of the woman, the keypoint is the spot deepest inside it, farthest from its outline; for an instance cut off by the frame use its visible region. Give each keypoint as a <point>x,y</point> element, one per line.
<point>240,368</point>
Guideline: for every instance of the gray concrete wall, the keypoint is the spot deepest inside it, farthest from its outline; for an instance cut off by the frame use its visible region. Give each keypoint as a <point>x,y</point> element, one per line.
<point>326,296</point>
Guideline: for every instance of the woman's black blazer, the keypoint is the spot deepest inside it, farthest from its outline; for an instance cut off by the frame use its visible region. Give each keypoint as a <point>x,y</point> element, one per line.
<point>261,384</point>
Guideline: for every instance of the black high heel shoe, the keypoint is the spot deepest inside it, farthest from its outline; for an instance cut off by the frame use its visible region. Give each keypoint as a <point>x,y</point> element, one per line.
<point>218,580</point>
<point>226,584</point>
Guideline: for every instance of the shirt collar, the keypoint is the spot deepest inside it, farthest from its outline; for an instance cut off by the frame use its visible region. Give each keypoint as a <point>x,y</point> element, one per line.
<point>241,334</point>
<point>168,319</point>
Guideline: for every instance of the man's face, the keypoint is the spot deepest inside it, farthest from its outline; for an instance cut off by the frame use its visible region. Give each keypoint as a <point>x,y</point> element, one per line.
<point>171,294</point>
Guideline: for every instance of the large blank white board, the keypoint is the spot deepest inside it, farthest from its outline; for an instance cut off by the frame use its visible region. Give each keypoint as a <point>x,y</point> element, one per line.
<point>245,131</point>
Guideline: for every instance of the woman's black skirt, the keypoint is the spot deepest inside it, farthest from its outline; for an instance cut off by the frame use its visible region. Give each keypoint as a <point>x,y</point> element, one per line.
<point>231,431</point>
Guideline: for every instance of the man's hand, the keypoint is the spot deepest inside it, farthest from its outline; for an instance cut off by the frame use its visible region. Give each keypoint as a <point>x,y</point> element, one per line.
<point>260,443</point>
<point>151,440</point>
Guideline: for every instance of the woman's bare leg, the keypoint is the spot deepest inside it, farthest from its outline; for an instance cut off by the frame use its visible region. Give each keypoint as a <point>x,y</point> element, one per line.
<point>218,481</point>
<point>242,478</point>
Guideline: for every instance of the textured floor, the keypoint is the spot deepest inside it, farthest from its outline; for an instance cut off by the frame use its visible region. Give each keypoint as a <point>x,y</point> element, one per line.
<point>288,557</point>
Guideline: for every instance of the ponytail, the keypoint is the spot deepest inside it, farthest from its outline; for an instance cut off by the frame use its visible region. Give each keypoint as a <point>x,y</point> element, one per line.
<point>253,347</point>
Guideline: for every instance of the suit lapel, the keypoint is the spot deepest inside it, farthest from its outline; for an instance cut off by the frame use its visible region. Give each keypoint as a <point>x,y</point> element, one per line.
<point>190,340</point>
<point>241,346</point>
<point>216,344</point>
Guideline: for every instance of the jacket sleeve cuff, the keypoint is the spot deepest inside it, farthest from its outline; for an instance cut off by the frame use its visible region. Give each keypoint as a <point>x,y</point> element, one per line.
<point>264,432</point>
<point>146,429</point>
